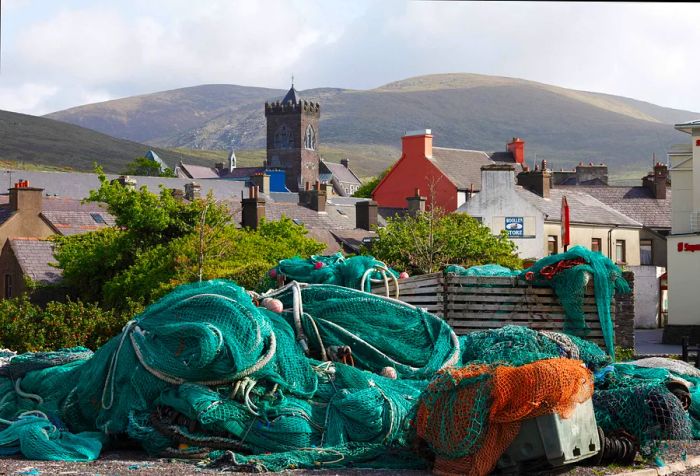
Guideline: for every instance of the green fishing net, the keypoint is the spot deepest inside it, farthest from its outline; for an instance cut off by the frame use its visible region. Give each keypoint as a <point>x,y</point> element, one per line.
<point>334,269</point>
<point>205,370</point>
<point>568,274</point>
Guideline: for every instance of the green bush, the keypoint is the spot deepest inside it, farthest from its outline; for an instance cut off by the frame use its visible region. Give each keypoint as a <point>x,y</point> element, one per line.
<point>26,327</point>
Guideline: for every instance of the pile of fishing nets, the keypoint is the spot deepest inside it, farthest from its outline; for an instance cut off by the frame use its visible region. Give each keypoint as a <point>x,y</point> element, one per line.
<point>568,275</point>
<point>355,272</point>
<point>336,378</point>
<point>204,369</point>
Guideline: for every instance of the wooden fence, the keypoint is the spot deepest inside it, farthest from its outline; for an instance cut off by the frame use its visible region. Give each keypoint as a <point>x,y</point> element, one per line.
<point>470,303</point>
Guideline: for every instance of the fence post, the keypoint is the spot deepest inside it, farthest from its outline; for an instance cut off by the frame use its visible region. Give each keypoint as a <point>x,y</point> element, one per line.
<point>624,315</point>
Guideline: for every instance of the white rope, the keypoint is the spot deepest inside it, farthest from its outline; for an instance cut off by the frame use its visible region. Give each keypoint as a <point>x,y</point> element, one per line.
<point>261,362</point>
<point>383,270</point>
<point>31,396</point>
<point>109,379</point>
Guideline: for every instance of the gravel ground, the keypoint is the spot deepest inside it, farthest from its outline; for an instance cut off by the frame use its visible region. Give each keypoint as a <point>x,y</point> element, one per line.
<point>132,463</point>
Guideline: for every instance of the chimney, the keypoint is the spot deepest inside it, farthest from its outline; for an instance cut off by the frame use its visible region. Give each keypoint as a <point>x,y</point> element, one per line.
<point>345,163</point>
<point>537,181</point>
<point>177,193</point>
<point>253,209</point>
<point>318,198</point>
<point>657,181</point>
<point>262,181</point>
<point>416,203</point>
<point>517,148</point>
<point>192,191</point>
<point>126,181</point>
<point>25,198</point>
<point>591,172</point>
<point>417,144</point>
<point>305,195</point>
<point>366,215</point>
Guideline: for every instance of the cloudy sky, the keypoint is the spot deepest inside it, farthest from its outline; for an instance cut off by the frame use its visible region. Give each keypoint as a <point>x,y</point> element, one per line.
<point>62,53</point>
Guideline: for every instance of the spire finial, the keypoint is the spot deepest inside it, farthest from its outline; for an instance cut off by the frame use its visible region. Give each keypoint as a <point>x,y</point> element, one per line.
<point>292,80</point>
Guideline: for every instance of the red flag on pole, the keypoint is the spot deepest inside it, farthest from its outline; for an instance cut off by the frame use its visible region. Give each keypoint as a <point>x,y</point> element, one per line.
<point>565,223</point>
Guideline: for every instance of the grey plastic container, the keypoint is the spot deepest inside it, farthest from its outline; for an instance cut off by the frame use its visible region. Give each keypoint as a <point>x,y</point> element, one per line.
<point>552,441</point>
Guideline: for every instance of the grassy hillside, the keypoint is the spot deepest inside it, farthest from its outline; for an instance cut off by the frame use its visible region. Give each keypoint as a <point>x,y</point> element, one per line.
<point>471,111</point>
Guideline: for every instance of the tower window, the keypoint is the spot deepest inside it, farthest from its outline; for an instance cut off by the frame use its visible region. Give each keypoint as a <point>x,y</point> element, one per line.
<point>310,138</point>
<point>283,138</point>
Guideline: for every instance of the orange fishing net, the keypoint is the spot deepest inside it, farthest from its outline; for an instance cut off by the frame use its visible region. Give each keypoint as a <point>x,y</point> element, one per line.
<point>469,416</point>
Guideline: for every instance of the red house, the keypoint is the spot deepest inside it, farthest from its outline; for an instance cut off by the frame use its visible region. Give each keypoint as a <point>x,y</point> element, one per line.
<point>446,177</point>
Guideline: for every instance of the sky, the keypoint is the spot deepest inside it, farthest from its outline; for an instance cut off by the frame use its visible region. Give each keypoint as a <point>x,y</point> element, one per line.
<point>57,54</point>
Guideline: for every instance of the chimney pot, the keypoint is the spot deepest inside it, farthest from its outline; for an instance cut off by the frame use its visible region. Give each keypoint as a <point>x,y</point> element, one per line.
<point>192,191</point>
<point>252,209</point>
<point>366,215</point>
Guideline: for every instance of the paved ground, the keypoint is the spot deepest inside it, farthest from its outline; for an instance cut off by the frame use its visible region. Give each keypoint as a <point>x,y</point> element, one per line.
<point>133,463</point>
<point>648,342</point>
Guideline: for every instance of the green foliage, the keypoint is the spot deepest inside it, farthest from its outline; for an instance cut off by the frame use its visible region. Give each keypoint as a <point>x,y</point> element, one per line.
<point>105,265</point>
<point>366,189</point>
<point>155,219</point>
<point>429,241</point>
<point>242,255</point>
<point>623,355</point>
<point>26,327</point>
<point>145,167</point>
<point>160,242</point>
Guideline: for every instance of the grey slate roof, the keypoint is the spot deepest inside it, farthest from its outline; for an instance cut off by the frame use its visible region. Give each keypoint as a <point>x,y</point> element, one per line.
<point>341,173</point>
<point>76,222</point>
<point>583,208</point>
<point>68,216</point>
<point>463,167</point>
<point>198,171</point>
<point>637,202</point>
<point>78,185</point>
<point>34,256</point>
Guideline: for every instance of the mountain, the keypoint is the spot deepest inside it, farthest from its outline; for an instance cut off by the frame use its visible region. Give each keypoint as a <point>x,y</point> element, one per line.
<point>37,142</point>
<point>563,126</point>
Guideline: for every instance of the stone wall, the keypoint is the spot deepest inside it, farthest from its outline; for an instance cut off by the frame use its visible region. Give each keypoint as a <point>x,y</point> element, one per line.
<point>624,316</point>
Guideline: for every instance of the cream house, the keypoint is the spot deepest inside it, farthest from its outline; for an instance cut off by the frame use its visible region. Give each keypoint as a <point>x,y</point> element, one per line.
<point>684,240</point>
<point>531,215</point>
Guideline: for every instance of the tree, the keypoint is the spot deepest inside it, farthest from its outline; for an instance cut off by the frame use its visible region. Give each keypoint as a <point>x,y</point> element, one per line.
<point>145,167</point>
<point>429,241</point>
<point>366,189</point>
<point>146,223</point>
<point>161,241</point>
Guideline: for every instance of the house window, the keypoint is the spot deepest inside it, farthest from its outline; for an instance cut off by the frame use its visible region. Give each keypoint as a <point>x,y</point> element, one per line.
<point>8,285</point>
<point>596,245</point>
<point>98,218</point>
<point>646,255</point>
<point>620,251</point>
<point>552,245</point>
<point>310,138</point>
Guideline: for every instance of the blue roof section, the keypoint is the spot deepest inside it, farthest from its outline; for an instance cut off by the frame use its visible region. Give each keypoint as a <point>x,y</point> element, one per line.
<point>277,180</point>
<point>291,96</point>
<point>154,157</point>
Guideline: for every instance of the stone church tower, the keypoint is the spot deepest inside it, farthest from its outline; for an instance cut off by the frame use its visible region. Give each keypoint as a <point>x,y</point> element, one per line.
<point>292,139</point>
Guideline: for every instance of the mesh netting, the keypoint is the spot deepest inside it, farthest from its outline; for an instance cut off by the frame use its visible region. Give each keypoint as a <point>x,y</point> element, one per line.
<point>640,402</point>
<point>204,369</point>
<point>483,270</point>
<point>334,269</point>
<point>518,345</point>
<point>469,416</point>
<point>333,380</point>
<point>568,274</point>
